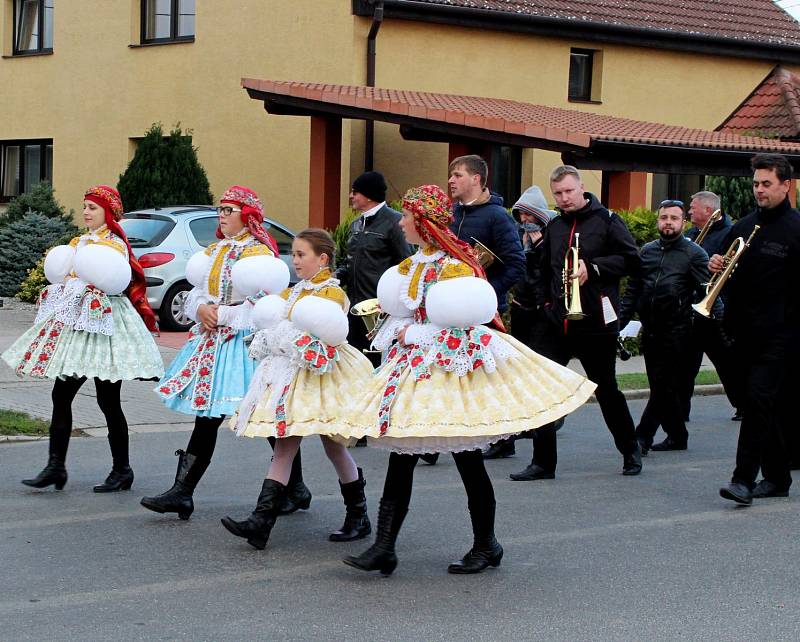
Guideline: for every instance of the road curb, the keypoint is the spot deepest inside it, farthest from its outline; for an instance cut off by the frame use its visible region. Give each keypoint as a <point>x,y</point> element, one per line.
<point>702,391</point>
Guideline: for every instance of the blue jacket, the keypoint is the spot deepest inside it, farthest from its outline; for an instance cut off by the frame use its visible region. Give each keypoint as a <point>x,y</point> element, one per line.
<point>491,224</point>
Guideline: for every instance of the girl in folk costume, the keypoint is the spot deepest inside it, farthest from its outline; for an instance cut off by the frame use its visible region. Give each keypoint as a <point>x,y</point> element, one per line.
<point>93,322</point>
<point>306,371</point>
<point>210,375</point>
<point>449,382</point>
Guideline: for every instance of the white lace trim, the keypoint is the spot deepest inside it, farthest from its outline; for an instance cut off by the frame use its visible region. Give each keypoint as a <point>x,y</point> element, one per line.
<point>387,334</point>
<point>405,279</point>
<point>460,363</point>
<point>306,285</point>
<point>196,298</point>
<point>223,245</point>
<point>430,445</point>
<point>421,334</point>
<point>66,303</point>
<point>238,317</point>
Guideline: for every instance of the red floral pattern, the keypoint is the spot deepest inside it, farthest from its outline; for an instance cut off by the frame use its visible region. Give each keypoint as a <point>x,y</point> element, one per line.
<point>315,355</point>
<point>51,333</point>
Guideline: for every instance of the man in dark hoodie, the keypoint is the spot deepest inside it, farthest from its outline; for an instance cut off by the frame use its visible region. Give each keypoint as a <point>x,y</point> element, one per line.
<point>706,335</point>
<point>762,316</point>
<point>607,253</point>
<point>480,216</point>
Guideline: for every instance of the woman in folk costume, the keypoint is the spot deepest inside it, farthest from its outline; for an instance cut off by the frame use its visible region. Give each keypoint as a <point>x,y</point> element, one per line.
<point>93,322</point>
<point>306,372</point>
<point>449,384</point>
<point>210,375</point>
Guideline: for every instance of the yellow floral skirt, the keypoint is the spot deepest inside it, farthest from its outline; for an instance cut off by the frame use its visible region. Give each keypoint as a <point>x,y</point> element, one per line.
<point>451,413</point>
<point>314,403</point>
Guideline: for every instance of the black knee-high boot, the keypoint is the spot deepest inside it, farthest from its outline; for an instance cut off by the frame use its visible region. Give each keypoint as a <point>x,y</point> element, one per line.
<point>55,472</point>
<point>297,494</point>
<point>256,529</point>
<point>391,513</point>
<point>191,467</point>
<point>356,523</point>
<point>121,475</point>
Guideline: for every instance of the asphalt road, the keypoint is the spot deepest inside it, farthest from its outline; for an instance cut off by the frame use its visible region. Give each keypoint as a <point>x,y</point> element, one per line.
<point>591,555</point>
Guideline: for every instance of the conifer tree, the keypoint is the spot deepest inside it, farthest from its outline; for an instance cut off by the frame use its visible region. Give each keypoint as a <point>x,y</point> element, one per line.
<point>164,171</point>
<point>735,192</point>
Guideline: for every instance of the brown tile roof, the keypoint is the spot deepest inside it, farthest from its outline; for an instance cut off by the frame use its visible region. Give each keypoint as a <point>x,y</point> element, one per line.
<point>565,127</point>
<point>772,109</point>
<point>757,21</point>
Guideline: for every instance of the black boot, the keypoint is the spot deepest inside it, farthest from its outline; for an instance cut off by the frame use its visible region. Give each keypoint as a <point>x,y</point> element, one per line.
<point>178,499</point>
<point>485,551</point>
<point>257,528</point>
<point>53,474</point>
<point>500,449</point>
<point>381,556</point>
<point>356,523</point>
<point>116,480</point>
<point>297,494</point>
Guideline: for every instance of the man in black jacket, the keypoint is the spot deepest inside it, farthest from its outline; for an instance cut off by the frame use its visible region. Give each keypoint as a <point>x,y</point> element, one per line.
<point>706,335</point>
<point>479,215</point>
<point>607,253</point>
<point>762,315</point>
<point>673,269</point>
<point>376,243</point>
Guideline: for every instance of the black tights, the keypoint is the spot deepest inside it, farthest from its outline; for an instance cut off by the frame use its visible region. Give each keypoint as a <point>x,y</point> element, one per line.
<point>64,391</point>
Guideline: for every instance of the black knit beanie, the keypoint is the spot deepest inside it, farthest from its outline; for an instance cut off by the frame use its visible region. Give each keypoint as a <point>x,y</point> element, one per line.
<point>372,185</point>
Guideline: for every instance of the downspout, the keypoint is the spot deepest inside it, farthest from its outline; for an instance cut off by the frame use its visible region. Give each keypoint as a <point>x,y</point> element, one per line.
<point>369,137</point>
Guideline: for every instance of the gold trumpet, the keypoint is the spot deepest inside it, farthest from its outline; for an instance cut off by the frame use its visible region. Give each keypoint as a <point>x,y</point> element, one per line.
<point>729,261</point>
<point>572,291</point>
<point>371,314</point>
<point>484,255</point>
<point>715,216</point>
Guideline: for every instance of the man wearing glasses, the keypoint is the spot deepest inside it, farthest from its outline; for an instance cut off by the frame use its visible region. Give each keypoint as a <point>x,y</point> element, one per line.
<point>376,243</point>
<point>673,270</point>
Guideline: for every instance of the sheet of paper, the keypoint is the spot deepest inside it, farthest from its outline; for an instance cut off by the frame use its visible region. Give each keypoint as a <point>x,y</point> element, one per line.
<point>631,330</point>
<point>609,315</point>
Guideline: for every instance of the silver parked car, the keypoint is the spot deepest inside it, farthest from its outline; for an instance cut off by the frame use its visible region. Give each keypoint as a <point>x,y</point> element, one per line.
<point>163,239</point>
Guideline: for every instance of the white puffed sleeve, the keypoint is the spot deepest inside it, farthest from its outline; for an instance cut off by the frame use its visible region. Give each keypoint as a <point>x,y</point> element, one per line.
<point>321,318</point>
<point>104,267</point>
<point>461,302</point>
<point>268,311</point>
<point>255,274</point>
<point>399,316</point>
<point>58,263</point>
<point>197,268</point>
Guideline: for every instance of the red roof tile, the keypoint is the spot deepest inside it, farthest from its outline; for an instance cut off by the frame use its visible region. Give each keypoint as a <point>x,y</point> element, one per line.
<point>758,21</point>
<point>773,109</point>
<point>538,122</point>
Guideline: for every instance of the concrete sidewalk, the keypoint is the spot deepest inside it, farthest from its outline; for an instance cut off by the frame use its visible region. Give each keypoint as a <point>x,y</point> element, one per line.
<point>144,411</point>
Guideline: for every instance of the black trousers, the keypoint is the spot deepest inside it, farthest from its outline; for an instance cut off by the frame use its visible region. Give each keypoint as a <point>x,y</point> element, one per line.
<point>706,338</point>
<point>598,356</point>
<point>480,493</point>
<point>665,360</point>
<point>763,367</point>
<point>357,337</point>
<point>108,399</point>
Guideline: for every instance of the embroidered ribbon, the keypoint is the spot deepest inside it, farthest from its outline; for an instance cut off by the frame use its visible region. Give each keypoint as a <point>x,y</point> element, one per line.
<point>408,355</point>
<point>98,302</point>
<point>50,333</point>
<point>199,366</point>
<point>314,354</point>
<point>280,412</point>
<point>460,348</point>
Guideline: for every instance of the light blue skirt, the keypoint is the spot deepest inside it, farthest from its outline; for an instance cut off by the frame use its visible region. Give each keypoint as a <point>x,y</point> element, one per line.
<point>195,384</point>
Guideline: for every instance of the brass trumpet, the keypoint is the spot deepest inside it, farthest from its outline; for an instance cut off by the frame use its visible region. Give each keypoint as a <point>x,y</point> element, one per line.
<point>714,286</point>
<point>484,255</point>
<point>371,314</point>
<point>715,216</point>
<point>572,292</point>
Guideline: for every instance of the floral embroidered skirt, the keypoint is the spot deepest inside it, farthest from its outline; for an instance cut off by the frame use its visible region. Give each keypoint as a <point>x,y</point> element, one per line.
<point>452,413</point>
<point>210,375</point>
<point>51,349</point>
<point>312,404</point>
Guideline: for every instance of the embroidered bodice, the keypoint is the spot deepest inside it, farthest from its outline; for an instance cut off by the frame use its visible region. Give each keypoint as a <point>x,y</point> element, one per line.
<point>322,284</point>
<point>223,255</point>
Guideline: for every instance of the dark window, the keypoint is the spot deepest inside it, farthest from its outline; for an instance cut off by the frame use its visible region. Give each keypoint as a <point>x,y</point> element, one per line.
<point>204,230</point>
<point>23,164</point>
<point>505,172</point>
<point>167,20</point>
<point>33,26</point>
<point>144,230</point>
<point>680,186</point>
<point>282,238</point>
<point>581,64</point>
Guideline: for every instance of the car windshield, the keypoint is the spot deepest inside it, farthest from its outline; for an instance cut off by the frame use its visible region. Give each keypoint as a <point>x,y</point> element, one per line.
<point>146,232</point>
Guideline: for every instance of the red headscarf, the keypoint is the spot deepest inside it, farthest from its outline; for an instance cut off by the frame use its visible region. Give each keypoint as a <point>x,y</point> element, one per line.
<point>109,199</point>
<point>252,214</point>
<point>431,208</point>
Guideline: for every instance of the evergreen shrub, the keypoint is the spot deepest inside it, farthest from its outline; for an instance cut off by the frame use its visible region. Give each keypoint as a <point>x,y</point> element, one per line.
<point>41,198</point>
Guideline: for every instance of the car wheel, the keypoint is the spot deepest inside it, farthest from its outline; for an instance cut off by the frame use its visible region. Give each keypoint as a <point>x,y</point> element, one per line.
<point>171,313</point>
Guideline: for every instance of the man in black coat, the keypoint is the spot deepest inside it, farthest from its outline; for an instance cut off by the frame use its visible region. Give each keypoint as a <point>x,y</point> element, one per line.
<point>607,253</point>
<point>706,333</point>
<point>479,215</point>
<point>376,243</point>
<point>673,269</point>
<point>762,316</point>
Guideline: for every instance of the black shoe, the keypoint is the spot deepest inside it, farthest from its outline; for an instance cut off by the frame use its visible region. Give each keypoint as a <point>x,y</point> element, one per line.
<point>632,462</point>
<point>766,489</point>
<point>500,449</point>
<point>644,446</point>
<point>298,497</point>
<point>430,458</point>
<point>116,480</point>
<point>361,443</point>
<point>257,528</point>
<point>737,492</point>
<point>178,499</point>
<point>668,444</point>
<point>477,559</point>
<point>356,523</point>
<point>381,556</point>
<point>737,416</point>
<point>54,474</point>
<point>532,473</point>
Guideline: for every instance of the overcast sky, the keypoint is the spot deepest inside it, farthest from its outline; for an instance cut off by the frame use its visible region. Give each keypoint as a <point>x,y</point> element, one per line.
<point>790,6</point>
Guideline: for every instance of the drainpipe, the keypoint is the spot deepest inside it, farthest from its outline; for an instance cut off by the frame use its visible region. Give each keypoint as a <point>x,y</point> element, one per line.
<point>369,138</point>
